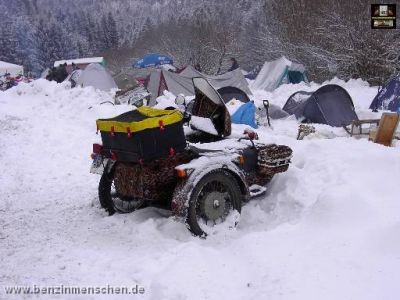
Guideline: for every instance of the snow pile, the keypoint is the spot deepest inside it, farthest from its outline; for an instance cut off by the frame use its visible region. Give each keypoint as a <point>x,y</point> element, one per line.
<point>168,99</point>
<point>203,124</point>
<point>328,228</point>
<point>42,124</point>
<point>165,100</point>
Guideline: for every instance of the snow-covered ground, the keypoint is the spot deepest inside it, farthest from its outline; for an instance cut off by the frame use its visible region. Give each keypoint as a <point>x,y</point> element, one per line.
<point>328,228</point>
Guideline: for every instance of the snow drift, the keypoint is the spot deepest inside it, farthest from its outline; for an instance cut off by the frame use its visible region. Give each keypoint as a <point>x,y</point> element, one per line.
<point>326,229</point>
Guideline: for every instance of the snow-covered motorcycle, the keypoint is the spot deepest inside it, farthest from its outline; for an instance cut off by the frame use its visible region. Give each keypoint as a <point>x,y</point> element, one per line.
<point>199,173</point>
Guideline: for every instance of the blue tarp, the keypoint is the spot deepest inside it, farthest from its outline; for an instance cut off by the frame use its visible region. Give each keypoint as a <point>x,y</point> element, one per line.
<point>388,98</point>
<point>245,114</point>
<point>153,60</point>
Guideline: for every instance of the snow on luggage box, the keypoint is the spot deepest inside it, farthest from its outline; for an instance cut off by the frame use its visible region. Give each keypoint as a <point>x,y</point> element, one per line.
<point>143,134</point>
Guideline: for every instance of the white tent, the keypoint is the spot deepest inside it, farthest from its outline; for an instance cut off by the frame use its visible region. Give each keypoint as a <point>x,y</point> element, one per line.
<point>97,76</point>
<point>181,83</point>
<point>277,72</point>
<point>14,70</point>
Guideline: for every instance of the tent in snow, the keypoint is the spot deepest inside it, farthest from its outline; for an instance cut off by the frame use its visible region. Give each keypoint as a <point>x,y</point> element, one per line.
<point>230,92</point>
<point>245,114</point>
<point>12,69</point>
<point>45,73</point>
<point>274,111</point>
<point>81,63</point>
<point>388,98</point>
<point>330,104</point>
<point>125,80</point>
<point>181,83</point>
<point>97,76</point>
<point>74,77</point>
<point>277,72</point>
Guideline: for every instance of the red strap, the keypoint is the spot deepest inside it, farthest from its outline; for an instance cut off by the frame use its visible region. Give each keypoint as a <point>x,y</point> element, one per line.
<point>128,130</point>
<point>161,123</point>
<point>171,151</point>
<point>112,131</point>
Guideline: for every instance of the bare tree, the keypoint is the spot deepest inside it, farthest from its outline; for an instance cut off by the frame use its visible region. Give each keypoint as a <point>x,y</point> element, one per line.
<point>332,38</point>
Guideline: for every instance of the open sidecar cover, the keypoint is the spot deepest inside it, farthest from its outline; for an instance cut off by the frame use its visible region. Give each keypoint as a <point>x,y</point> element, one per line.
<point>143,134</point>
<point>209,106</point>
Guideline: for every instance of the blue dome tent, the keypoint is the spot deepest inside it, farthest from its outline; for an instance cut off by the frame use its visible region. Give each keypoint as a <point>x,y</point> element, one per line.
<point>388,98</point>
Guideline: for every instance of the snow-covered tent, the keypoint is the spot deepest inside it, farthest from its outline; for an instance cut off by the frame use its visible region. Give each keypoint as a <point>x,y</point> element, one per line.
<point>74,77</point>
<point>12,69</point>
<point>277,72</point>
<point>388,98</point>
<point>330,104</point>
<point>97,76</point>
<point>233,78</point>
<point>181,83</point>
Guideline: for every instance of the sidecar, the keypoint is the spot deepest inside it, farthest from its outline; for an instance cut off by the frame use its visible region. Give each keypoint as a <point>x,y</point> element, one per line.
<point>203,176</point>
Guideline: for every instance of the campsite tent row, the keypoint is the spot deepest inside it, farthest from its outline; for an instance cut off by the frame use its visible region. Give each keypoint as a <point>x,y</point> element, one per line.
<point>272,75</point>
<point>333,103</point>
<point>161,80</point>
<point>281,71</point>
<point>330,104</point>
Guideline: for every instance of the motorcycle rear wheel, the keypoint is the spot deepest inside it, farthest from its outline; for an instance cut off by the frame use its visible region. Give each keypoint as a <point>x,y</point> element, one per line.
<point>111,201</point>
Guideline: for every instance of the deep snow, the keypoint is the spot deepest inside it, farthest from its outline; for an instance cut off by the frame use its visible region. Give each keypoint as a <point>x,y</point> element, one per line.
<point>328,228</point>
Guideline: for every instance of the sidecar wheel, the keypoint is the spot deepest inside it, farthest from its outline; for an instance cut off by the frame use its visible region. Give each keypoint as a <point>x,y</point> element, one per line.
<point>216,196</point>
